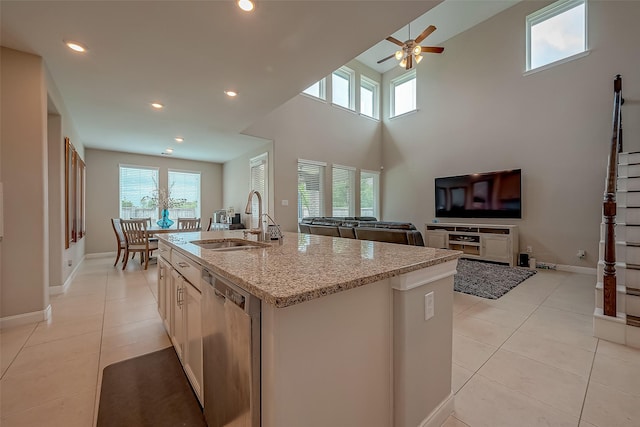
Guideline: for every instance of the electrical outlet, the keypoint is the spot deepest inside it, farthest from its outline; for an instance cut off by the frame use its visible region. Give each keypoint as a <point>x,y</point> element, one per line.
<point>428,306</point>
<point>581,253</point>
<point>529,249</point>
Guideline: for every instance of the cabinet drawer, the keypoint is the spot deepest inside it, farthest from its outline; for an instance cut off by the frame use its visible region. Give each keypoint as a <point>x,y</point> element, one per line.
<point>189,269</point>
<point>164,251</point>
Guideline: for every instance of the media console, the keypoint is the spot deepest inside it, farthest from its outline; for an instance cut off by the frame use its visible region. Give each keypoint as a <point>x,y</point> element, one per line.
<point>489,242</point>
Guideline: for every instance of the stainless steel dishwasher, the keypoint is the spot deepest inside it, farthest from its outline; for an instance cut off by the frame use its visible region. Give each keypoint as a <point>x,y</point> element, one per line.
<point>231,353</point>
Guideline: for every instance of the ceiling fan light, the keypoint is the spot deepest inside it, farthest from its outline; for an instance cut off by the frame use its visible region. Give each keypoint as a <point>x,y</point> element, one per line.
<point>399,55</point>
<point>417,50</point>
<point>418,58</point>
<point>403,63</point>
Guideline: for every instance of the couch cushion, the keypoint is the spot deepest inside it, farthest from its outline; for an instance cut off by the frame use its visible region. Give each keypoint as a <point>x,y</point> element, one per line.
<point>379,235</point>
<point>324,230</point>
<point>393,225</point>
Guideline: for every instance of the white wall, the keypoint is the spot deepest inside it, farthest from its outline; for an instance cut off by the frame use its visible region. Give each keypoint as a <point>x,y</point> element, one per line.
<point>103,190</point>
<point>59,126</point>
<point>305,128</point>
<point>479,113</point>
<point>23,156</point>
<point>236,183</point>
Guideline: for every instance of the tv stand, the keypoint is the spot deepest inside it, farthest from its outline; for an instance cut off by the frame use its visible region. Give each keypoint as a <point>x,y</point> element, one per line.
<point>489,242</point>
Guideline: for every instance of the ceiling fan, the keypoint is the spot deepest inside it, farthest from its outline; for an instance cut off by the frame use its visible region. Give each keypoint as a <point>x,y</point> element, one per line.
<point>411,50</point>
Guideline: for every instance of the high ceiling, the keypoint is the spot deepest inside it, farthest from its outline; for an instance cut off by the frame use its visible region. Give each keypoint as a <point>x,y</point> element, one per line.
<point>185,54</point>
<point>451,17</point>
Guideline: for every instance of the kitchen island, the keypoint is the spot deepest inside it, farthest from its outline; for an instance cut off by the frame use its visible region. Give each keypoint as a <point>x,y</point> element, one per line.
<point>353,332</point>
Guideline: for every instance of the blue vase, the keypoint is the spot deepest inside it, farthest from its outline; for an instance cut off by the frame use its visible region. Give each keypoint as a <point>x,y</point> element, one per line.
<point>165,222</point>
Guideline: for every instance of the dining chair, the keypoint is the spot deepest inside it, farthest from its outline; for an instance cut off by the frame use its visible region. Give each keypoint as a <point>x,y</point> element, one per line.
<point>210,224</point>
<point>188,223</point>
<point>137,240</point>
<point>120,239</point>
<point>147,219</point>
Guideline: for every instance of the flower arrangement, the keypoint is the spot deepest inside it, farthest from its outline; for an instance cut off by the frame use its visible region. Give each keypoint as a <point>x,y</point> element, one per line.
<point>162,199</point>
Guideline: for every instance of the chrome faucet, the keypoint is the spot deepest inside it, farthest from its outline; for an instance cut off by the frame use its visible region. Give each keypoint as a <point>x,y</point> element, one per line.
<point>280,237</point>
<point>248,210</point>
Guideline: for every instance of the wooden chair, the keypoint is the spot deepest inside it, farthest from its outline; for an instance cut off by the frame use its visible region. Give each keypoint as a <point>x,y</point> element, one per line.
<point>147,219</point>
<point>120,239</point>
<point>137,240</point>
<point>210,224</point>
<point>188,223</point>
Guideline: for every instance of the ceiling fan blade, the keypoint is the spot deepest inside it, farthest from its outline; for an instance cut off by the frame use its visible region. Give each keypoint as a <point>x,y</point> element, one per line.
<point>388,57</point>
<point>432,49</point>
<point>395,40</point>
<point>430,29</point>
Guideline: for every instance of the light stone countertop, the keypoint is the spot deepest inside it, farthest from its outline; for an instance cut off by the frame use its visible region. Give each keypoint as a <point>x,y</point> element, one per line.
<point>306,266</point>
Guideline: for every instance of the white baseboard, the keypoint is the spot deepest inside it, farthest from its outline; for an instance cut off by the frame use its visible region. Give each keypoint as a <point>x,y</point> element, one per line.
<point>439,415</point>
<point>25,318</point>
<point>60,289</point>
<point>577,269</point>
<point>100,255</point>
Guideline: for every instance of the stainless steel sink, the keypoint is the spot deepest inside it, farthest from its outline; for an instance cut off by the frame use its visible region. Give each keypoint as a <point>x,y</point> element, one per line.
<point>228,244</point>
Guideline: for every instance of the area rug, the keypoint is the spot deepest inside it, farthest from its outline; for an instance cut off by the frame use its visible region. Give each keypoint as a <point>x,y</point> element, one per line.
<point>149,390</point>
<point>488,280</point>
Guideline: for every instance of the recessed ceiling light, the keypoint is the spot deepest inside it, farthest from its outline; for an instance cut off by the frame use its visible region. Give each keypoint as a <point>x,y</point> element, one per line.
<point>231,93</point>
<point>179,139</point>
<point>246,5</point>
<point>169,150</point>
<point>78,47</point>
<point>157,105</point>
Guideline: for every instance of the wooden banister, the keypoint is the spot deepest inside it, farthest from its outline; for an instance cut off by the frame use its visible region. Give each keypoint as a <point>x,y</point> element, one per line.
<point>609,205</point>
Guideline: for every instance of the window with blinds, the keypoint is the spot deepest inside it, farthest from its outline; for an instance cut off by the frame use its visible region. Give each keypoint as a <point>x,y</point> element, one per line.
<point>310,188</point>
<point>343,190</point>
<point>138,190</point>
<point>184,191</point>
<point>369,193</point>
<point>259,182</point>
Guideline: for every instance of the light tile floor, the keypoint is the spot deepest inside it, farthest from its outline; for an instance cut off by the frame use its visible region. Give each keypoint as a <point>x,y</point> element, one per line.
<point>527,359</point>
<point>530,359</point>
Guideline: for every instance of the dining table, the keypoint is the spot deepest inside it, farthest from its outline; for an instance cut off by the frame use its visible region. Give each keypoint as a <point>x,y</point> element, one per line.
<point>156,229</point>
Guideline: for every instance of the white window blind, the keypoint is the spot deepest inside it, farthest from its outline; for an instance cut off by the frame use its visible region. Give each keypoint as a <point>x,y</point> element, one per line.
<point>138,189</point>
<point>184,190</point>
<point>259,182</point>
<point>369,193</point>
<point>343,189</point>
<point>310,189</point>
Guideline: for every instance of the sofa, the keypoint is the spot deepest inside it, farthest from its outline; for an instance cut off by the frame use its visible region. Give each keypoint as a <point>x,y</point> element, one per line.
<point>363,228</point>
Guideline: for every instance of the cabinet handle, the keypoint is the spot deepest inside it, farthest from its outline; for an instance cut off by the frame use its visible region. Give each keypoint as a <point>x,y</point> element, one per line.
<point>183,264</point>
<point>180,296</point>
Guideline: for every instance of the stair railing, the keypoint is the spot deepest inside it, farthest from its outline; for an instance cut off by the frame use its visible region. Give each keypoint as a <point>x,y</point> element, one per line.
<point>609,204</point>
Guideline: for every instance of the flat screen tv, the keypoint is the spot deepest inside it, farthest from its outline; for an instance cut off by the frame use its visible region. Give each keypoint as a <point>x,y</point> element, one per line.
<point>480,195</point>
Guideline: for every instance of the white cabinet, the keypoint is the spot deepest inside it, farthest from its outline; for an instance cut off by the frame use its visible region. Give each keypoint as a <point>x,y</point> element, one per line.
<point>496,248</point>
<point>164,293</point>
<point>489,242</point>
<point>179,306</point>
<point>436,239</point>
<point>176,330</point>
<point>192,359</point>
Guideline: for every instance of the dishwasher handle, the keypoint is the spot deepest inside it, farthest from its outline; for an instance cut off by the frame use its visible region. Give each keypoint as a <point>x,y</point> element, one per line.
<point>207,277</point>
